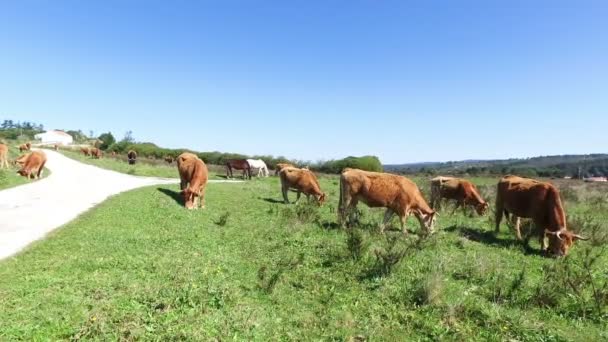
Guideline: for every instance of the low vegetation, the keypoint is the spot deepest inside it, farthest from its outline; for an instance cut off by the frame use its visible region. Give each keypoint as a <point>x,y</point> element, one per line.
<point>248,267</point>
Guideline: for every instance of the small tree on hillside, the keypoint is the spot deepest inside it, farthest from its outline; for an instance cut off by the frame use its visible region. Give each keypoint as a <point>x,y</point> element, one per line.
<point>107,140</point>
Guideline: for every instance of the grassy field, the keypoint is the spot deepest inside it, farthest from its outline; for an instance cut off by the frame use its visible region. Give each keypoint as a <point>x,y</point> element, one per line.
<point>248,267</point>
<point>143,167</point>
<point>9,177</point>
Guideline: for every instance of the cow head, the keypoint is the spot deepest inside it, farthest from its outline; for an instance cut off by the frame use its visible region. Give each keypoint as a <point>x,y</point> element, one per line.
<point>321,199</point>
<point>482,208</point>
<point>188,198</point>
<point>428,220</point>
<point>560,241</point>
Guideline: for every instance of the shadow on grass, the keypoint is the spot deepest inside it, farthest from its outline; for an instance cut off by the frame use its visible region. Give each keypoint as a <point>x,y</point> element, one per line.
<point>490,238</point>
<point>272,200</point>
<point>221,176</point>
<point>175,195</point>
<point>328,225</point>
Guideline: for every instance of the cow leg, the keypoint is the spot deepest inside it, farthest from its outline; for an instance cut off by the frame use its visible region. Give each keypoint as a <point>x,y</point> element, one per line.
<point>388,215</point>
<point>498,217</point>
<point>284,190</point>
<point>543,241</point>
<point>298,197</point>
<point>517,222</point>
<point>182,184</point>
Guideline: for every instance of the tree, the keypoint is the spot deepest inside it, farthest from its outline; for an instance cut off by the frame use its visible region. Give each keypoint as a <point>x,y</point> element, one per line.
<point>107,140</point>
<point>128,137</point>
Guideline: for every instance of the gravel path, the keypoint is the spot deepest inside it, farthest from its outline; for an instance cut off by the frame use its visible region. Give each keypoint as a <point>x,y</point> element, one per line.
<point>28,212</point>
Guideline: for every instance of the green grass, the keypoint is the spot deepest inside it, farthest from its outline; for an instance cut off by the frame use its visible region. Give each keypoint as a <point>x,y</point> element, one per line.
<point>9,177</point>
<point>140,266</point>
<point>143,167</point>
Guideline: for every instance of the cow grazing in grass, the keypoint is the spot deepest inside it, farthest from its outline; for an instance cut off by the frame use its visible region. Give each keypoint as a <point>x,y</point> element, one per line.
<point>33,164</point>
<point>460,190</point>
<point>280,166</point>
<point>85,151</point>
<point>539,201</point>
<point>96,153</point>
<point>24,147</point>
<point>193,179</point>
<point>169,159</point>
<point>238,164</point>
<point>132,157</point>
<point>302,181</point>
<point>259,165</point>
<point>397,194</point>
<point>3,156</point>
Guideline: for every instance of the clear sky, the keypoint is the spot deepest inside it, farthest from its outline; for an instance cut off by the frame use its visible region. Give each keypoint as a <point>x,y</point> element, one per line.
<point>404,80</point>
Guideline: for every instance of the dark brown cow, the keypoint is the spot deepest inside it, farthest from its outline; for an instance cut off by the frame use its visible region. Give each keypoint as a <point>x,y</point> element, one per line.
<point>23,147</point>
<point>169,159</point>
<point>397,194</point>
<point>132,157</point>
<point>461,190</point>
<point>193,179</point>
<point>3,156</point>
<point>539,201</point>
<point>33,164</point>
<point>238,164</point>
<point>302,181</point>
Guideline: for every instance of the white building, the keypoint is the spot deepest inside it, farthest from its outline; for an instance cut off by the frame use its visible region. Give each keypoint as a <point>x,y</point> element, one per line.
<point>54,137</point>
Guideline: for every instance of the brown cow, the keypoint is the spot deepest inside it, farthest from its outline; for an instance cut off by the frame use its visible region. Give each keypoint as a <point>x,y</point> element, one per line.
<point>23,147</point>
<point>33,165</point>
<point>280,166</point>
<point>20,160</point>
<point>3,156</point>
<point>397,194</point>
<point>113,153</point>
<point>193,179</point>
<point>56,147</point>
<point>539,201</point>
<point>132,157</point>
<point>96,153</point>
<point>461,190</point>
<point>302,181</point>
<point>169,159</point>
<point>86,151</point>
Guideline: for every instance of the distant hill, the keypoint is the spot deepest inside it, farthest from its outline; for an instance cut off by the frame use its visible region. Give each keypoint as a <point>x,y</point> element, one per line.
<point>584,165</point>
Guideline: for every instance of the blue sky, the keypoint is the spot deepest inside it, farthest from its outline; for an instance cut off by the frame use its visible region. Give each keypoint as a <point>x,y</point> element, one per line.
<point>405,80</point>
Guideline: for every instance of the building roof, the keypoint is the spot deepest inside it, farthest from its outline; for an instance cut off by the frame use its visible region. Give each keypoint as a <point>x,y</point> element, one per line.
<point>56,131</point>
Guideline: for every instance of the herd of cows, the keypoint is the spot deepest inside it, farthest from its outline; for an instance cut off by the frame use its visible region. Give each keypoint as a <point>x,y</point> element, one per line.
<point>516,197</point>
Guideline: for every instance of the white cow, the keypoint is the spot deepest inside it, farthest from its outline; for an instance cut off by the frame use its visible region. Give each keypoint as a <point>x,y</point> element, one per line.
<point>259,165</point>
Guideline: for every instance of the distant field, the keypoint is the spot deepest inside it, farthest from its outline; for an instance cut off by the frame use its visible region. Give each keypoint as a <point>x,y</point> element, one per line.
<point>248,267</point>
<point>9,177</point>
<point>143,167</point>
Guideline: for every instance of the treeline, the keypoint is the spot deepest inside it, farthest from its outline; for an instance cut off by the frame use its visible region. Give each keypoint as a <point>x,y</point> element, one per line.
<point>16,130</point>
<point>150,150</point>
<point>575,169</point>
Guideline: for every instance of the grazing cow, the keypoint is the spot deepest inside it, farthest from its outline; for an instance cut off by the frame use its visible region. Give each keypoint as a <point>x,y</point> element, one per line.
<point>302,181</point>
<point>96,153</point>
<point>132,157</point>
<point>86,151</point>
<point>280,166</point>
<point>56,147</point>
<point>23,147</point>
<point>33,164</point>
<point>259,165</point>
<point>539,201</point>
<point>169,159</point>
<point>3,156</point>
<point>461,190</point>
<point>238,164</point>
<point>397,194</point>
<point>193,179</point>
